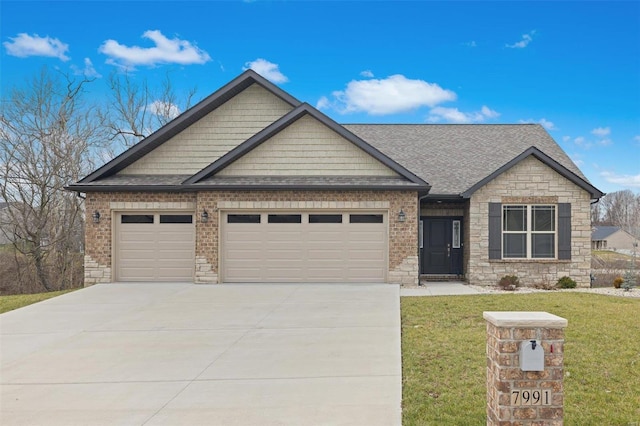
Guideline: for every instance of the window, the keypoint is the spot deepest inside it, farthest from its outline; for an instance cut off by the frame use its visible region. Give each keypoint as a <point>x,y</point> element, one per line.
<point>176,218</point>
<point>285,218</point>
<point>528,232</point>
<point>325,218</point>
<point>365,218</point>
<point>136,218</point>
<point>243,218</point>
<point>456,235</point>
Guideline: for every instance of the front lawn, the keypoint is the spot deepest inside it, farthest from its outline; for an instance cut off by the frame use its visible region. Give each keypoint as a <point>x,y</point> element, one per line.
<point>9,303</point>
<point>444,359</point>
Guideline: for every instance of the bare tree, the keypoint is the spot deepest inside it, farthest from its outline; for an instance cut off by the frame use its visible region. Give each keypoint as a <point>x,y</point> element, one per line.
<point>47,133</point>
<point>621,208</point>
<point>135,110</point>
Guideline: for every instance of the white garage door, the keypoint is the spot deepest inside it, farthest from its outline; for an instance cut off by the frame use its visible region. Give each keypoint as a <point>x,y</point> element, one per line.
<point>304,247</point>
<point>154,247</point>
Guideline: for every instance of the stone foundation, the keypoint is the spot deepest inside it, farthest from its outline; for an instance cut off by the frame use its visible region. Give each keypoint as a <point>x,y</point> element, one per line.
<point>95,273</point>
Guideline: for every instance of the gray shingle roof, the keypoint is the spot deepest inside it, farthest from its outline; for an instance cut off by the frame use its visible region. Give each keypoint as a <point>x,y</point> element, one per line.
<point>602,232</point>
<point>454,157</point>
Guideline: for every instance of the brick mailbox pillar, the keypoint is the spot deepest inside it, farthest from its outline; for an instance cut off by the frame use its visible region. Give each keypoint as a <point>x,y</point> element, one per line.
<point>524,384</point>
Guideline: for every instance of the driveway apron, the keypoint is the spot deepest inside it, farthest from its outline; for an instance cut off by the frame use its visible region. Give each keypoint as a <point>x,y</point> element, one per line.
<point>185,354</point>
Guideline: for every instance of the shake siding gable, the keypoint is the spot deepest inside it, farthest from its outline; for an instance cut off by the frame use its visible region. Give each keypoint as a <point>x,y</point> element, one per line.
<point>214,135</point>
<point>307,148</point>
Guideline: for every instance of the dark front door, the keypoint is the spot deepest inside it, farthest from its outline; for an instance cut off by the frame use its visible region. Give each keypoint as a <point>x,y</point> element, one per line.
<point>441,248</point>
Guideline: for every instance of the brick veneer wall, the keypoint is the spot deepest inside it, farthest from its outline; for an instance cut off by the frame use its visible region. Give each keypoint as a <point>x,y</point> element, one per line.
<point>504,374</point>
<point>403,238</point>
<point>529,178</point>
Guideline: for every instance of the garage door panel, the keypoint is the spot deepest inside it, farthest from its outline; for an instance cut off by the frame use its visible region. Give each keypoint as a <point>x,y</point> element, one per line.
<point>155,251</point>
<point>305,252</point>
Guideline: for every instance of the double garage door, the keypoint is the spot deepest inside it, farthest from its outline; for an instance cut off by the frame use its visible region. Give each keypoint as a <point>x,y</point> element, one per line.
<point>304,247</point>
<point>155,246</point>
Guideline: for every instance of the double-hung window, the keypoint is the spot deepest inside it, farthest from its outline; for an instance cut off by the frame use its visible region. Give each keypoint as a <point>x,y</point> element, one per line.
<point>529,232</point>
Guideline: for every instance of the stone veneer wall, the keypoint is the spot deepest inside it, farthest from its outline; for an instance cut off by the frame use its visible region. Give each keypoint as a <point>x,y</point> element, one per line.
<point>530,181</point>
<point>403,237</point>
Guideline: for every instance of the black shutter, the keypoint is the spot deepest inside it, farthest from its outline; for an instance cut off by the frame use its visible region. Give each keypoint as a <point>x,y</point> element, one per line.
<point>564,231</point>
<point>495,231</point>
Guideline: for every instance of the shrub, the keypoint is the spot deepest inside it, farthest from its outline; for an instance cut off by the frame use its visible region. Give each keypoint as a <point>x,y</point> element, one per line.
<point>566,282</point>
<point>509,282</point>
<point>618,282</point>
<point>544,285</point>
<point>629,281</point>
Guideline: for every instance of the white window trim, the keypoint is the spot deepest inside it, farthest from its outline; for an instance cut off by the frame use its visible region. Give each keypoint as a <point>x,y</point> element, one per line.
<point>529,231</point>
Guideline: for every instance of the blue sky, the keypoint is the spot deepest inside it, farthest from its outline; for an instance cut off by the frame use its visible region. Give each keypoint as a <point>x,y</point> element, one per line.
<point>573,66</point>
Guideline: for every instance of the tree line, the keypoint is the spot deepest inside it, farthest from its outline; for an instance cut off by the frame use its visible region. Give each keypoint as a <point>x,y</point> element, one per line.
<point>621,209</point>
<point>53,134</point>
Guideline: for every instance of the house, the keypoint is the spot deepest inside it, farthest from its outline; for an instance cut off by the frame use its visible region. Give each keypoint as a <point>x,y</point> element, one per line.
<point>613,238</point>
<point>252,185</point>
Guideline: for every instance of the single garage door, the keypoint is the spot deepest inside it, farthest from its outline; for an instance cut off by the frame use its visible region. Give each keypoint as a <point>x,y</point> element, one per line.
<point>154,247</point>
<point>304,247</point>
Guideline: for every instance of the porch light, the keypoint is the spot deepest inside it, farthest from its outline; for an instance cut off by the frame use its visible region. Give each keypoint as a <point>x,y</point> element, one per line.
<point>96,216</point>
<point>204,216</point>
<point>402,216</point>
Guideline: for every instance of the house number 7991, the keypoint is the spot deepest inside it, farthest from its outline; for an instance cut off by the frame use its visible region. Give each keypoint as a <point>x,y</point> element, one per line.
<point>531,397</point>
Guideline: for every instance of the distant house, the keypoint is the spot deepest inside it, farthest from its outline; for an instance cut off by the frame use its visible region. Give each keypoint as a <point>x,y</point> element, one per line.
<point>612,238</point>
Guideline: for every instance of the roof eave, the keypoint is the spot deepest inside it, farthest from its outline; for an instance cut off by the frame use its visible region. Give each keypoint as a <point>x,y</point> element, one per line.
<point>205,187</point>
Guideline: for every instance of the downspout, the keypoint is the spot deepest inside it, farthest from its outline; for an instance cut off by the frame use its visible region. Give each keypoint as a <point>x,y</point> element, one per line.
<point>420,198</point>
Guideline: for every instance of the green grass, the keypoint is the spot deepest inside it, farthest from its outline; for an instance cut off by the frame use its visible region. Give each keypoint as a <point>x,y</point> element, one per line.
<point>444,358</point>
<point>9,303</point>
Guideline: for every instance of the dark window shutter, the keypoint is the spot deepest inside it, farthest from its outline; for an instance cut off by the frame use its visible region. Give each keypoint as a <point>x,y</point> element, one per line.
<point>564,231</point>
<point>495,231</point>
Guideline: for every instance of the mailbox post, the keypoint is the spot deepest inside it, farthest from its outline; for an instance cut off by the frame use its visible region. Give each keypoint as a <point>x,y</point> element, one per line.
<point>525,368</point>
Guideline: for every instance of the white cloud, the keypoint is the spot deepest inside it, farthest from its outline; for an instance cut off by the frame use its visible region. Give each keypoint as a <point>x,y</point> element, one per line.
<point>24,45</point>
<point>454,115</point>
<point>526,39</point>
<point>164,109</point>
<point>637,139</point>
<point>579,140</point>
<point>323,103</point>
<point>601,131</point>
<point>394,94</point>
<point>88,70</point>
<point>472,43</point>
<point>605,142</point>
<point>630,181</point>
<point>488,112</point>
<point>367,74</point>
<point>165,51</point>
<point>543,122</point>
<point>566,138</point>
<point>267,69</point>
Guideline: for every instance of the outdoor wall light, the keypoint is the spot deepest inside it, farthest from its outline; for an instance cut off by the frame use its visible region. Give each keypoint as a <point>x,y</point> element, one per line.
<point>204,216</point>
<point>402,216</point>
<point>96,216</point>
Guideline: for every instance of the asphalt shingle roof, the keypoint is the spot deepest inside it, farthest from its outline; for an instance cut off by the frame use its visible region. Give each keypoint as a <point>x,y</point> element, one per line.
<point>602,232</point>
<point>454,157</point>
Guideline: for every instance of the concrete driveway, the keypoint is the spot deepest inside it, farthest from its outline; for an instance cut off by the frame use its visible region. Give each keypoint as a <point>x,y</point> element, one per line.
<point>172,354</point>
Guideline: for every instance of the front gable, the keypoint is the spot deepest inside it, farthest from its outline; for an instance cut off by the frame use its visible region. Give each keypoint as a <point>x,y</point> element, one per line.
<point>307,147</point>
<point>213,135</point>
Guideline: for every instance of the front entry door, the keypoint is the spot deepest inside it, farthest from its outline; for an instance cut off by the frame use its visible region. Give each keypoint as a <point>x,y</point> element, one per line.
<point>441,246</point>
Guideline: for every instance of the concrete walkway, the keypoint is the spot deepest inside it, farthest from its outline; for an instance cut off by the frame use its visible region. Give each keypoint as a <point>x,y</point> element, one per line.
<point>438,289</point>
<point>172,354</point>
